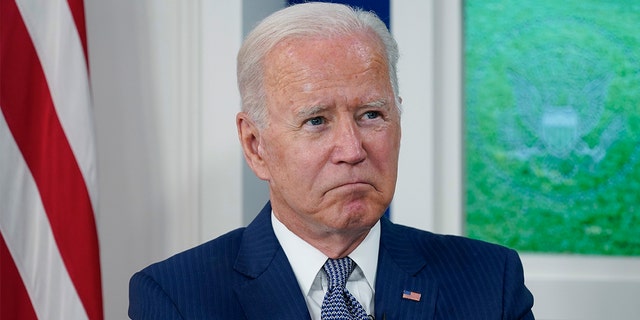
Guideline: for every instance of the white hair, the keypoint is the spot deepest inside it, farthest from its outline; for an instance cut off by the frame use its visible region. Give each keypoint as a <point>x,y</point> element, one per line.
<point>313,19</point>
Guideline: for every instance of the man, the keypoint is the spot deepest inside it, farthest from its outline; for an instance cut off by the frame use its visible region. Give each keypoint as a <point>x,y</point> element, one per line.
<point>320,122</point>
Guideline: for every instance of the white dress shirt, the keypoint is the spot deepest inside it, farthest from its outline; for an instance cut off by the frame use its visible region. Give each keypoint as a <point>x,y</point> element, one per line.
<point>307,261</point>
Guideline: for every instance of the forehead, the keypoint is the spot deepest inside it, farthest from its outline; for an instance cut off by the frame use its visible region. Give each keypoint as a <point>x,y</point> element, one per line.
<point>356,45</point>
<point>315,57</point>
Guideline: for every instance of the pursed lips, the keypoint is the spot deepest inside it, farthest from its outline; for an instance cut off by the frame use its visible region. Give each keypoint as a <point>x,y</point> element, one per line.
<point>351,186</point>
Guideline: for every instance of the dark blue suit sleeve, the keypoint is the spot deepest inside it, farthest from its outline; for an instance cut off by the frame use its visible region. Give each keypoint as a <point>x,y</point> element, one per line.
<point>517,299</point>
<point>147,299</point>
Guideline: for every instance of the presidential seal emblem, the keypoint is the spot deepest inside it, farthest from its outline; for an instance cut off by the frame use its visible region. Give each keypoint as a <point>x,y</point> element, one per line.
<point>552,119</point>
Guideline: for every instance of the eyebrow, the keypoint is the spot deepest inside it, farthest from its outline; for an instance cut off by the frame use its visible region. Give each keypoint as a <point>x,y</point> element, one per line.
<point>377,103</point>
<point>311,111</point>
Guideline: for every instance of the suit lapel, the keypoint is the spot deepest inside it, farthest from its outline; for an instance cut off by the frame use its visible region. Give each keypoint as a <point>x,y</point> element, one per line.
<point>398,269</point>
<point>272,290</point>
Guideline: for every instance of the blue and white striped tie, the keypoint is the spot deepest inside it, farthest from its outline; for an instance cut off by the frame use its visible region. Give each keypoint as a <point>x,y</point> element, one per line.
<point>339,303</point>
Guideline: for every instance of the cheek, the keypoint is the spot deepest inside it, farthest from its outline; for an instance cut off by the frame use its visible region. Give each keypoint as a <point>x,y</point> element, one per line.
<point>384,148</point>
<point>294,161</point>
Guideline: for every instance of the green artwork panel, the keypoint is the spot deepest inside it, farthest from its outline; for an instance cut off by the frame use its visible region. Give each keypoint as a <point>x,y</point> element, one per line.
<point>552,125</point>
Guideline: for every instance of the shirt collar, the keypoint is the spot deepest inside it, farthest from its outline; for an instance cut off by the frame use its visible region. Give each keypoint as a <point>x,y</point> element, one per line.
<point>306,260</point>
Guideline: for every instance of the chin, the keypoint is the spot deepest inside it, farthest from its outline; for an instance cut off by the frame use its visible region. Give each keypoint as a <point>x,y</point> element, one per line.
<point>364,215</point>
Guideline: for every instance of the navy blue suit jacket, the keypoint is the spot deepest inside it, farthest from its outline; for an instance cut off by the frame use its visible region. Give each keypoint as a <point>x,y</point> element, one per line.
<point>245,274</point>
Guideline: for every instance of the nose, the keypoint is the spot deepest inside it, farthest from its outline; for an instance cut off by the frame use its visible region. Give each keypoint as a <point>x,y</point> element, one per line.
<point>348,143</point>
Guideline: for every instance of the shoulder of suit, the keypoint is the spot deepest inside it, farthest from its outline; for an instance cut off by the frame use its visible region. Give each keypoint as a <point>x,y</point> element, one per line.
<point>450,247</point>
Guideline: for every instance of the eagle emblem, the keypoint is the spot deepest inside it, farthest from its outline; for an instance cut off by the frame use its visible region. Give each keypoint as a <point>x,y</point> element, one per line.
<point>559,130</point>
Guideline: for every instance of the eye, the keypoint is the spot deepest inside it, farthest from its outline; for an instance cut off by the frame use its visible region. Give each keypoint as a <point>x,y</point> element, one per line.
<point>316,121</point>
<point>372,114</point>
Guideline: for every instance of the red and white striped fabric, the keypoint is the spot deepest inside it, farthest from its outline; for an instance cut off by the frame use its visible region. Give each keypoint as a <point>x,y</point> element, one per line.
<point>49,260</point>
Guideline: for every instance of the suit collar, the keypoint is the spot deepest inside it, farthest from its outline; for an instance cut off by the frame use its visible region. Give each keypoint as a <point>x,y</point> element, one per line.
<point>271,283</point>
<point>398,268</point>
<point>258,234</point>
<point>401,249</point>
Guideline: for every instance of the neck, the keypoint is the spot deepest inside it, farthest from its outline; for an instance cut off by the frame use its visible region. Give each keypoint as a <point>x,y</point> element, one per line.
<point>336,247</point>
<point>334,244</point>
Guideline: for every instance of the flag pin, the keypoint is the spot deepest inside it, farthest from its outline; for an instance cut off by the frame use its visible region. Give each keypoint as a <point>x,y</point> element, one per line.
<point>415,296</point>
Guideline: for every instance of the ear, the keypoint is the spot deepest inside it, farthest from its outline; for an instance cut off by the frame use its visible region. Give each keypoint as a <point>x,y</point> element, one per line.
<point>249,135</point>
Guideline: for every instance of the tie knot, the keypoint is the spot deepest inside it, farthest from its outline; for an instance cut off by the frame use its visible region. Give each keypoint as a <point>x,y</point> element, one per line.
<point>338,271</point>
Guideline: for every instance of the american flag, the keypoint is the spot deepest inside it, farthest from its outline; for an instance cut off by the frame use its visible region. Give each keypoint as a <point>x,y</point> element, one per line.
<point>49,259</point>
<point>415,296</point>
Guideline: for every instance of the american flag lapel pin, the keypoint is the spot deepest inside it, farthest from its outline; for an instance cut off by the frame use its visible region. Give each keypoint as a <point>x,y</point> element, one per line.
<point>415,296</point>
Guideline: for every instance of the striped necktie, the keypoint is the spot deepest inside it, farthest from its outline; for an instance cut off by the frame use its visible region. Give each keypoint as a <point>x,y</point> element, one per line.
<point>339,303</point>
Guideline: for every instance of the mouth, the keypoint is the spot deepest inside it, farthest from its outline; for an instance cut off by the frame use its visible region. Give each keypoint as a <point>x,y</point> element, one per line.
<point>353,187</point>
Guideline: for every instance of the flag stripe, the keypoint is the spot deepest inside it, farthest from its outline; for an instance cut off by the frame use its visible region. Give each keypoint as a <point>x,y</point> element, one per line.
<point>36,256</point>
<point>77,10</point>
<point>13,294</point>
<point>46,125</point>
<point>59,48</point>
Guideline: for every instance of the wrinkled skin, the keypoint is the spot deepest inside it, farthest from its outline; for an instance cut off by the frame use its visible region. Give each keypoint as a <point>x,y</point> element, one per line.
<point>329,151</point>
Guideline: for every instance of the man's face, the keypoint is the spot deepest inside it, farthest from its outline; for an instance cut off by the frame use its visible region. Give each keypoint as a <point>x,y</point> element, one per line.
<point>330,147</point>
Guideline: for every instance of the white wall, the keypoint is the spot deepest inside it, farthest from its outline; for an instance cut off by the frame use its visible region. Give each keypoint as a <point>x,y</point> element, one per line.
<point>170,170</point>
<point>158,119</point>
<point>132,212</point>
